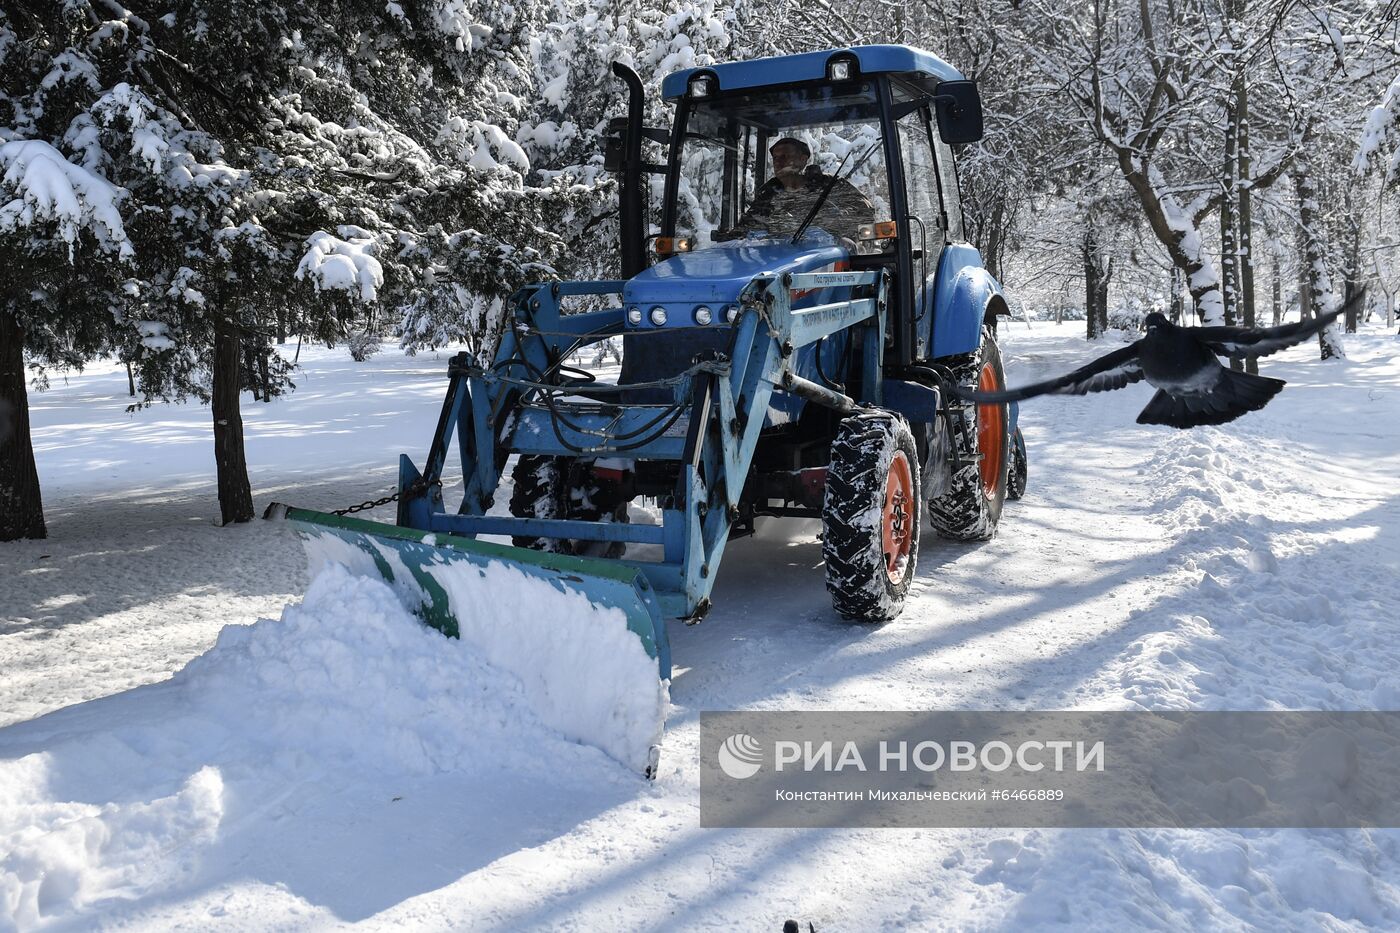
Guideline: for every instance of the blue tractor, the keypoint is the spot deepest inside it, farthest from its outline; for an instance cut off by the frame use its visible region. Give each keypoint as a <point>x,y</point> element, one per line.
<point>789,336</point>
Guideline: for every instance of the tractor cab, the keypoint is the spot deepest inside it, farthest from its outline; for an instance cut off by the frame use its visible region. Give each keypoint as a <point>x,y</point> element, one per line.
<point>825,160</point>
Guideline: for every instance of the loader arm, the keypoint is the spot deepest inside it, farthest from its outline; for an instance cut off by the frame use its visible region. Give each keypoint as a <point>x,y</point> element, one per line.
<point>710,428</point>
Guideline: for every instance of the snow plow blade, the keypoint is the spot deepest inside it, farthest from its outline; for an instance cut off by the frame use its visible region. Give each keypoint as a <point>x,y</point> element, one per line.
<point>585,637</point>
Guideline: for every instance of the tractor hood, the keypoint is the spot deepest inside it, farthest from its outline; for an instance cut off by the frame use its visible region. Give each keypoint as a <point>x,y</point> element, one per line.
<point>715,276</point>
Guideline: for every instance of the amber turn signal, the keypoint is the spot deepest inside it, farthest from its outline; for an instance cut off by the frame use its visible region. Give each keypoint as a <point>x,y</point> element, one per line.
<point>884,230</point>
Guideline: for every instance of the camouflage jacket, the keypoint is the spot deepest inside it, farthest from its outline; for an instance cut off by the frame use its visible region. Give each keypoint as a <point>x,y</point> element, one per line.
<point>780,210</point>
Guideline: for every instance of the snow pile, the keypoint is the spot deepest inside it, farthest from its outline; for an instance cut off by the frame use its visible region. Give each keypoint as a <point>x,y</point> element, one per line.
<point>348,683</point>
<point>347,264</point>
<point>45,186</point>
<point>585,672</point>
<point>58,856</point>
<point>574,664</point>
<point>1245,575</point>
<point>351,674</point>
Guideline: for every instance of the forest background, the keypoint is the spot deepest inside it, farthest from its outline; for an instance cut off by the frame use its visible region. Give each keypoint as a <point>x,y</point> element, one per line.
<point>185,184</point>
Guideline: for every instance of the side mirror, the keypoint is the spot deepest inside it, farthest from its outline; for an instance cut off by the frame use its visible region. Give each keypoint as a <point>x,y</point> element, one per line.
<point>959,109</point>
<point>615,145</point>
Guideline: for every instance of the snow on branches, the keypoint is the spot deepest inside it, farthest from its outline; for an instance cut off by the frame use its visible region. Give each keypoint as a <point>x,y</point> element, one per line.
<point>347,264</point>
<point>483,146</point>
<point>159,142</point>
<point>45,187</point>
<point>1380,123</point>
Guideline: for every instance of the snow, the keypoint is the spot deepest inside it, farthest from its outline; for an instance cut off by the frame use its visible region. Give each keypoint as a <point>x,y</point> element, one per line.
<point>586,674</point>
<point>582,671</point>
<point>1378,126</point>
<point>483,146</point>
<point>342,264</point>
<point>166,764</point>
<point>161,143</point>
<point>45,187</point>
<point>346,680</point>
<point>155,335</point>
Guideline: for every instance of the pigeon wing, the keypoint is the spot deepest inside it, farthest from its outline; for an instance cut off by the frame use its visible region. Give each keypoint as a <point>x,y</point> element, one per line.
<point>1110,371</point>
<point>1242,342</point>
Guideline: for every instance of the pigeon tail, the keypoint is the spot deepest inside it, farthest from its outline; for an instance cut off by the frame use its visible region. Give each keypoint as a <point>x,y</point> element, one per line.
<point>1233,394</point>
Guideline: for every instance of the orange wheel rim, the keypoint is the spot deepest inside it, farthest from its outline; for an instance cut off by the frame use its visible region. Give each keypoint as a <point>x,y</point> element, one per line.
<point>898,518</point>
<point>991,433</point>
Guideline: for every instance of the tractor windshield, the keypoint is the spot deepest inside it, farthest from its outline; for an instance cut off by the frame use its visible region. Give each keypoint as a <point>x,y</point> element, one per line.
<point>754,164</point>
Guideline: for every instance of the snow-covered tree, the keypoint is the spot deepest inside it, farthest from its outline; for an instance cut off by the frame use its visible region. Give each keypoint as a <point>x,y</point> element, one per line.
<point>305,160</point>
<point>55,217</point>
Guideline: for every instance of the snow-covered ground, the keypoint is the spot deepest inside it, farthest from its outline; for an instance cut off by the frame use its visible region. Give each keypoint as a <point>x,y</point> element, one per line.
<point>344,766</point>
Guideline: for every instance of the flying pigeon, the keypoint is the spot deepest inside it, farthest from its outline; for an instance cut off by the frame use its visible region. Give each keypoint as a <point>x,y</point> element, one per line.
<point>1192,387</point>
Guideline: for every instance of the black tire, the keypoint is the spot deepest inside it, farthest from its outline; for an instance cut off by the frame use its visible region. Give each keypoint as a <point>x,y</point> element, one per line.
<point>592,501</point>
<point>563,487</point>
<point>1020,467</point>
<point>970,508</point>
<point>865,582</point>
<point>540,486</point>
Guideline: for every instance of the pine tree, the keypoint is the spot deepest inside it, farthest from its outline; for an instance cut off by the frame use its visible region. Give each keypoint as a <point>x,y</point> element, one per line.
<point>306,161</point>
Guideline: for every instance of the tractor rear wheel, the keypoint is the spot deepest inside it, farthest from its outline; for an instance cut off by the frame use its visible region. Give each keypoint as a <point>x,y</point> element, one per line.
<point>970,507</point>
<point>564,488</point>
<point>870,516</point>
<point>1020,467</point>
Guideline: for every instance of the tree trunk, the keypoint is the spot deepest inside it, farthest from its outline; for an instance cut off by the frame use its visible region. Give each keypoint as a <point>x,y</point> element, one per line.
<point>1305,309</point>
<point>1277,293</point>
<point>1177,309</point>
<point>130,380</point>
<point>992,255</point>
<point>235,495</point>
<point>250,367</point>
<point>1229,226</point>
<point>281,326</point>
<point>1245,214</point>
<point>1353,268</point>
<point>1386,289</point>
<point>1095,286</point>
<point>1319,284</point>
<point>264,374</point>
<point>1176,231</point>
<point>21,506</point>
<point>1103,293</point>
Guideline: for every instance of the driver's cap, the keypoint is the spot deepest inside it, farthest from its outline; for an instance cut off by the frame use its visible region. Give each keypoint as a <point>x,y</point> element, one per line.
<point>791,141</point>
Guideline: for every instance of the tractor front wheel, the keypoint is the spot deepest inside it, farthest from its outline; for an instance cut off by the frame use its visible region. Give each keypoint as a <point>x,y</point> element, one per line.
<point>559,488</point>
<point>870,516</point>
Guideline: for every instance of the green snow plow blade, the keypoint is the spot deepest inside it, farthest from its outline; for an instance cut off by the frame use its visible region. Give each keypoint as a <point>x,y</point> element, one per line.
<point>585,637</point>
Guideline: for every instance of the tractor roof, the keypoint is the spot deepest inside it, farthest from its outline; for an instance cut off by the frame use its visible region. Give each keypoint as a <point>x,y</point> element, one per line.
<point>811,66</point>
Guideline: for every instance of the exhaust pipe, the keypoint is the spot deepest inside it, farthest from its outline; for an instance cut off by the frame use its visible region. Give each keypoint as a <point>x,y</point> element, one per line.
<point>630,219</point>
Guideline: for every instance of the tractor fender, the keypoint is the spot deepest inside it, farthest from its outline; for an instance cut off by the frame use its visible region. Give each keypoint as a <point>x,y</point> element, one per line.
<point>965,298</point>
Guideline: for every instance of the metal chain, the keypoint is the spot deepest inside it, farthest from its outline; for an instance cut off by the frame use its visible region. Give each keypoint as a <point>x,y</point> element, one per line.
<point>417,487</point>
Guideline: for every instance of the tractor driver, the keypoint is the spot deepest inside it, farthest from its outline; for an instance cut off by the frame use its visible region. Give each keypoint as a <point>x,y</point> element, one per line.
<point>783,202</point>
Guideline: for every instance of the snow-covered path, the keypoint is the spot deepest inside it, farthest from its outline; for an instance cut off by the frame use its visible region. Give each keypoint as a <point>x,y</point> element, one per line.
<point>368,780</point>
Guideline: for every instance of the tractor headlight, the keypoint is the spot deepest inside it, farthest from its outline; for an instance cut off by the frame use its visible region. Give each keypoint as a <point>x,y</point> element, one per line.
<point>703,316</point>
<point>731,313</point>
<point>839,70</point>
<point>658,315</point>
<point>634,315</point>
<point>702,86</point>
